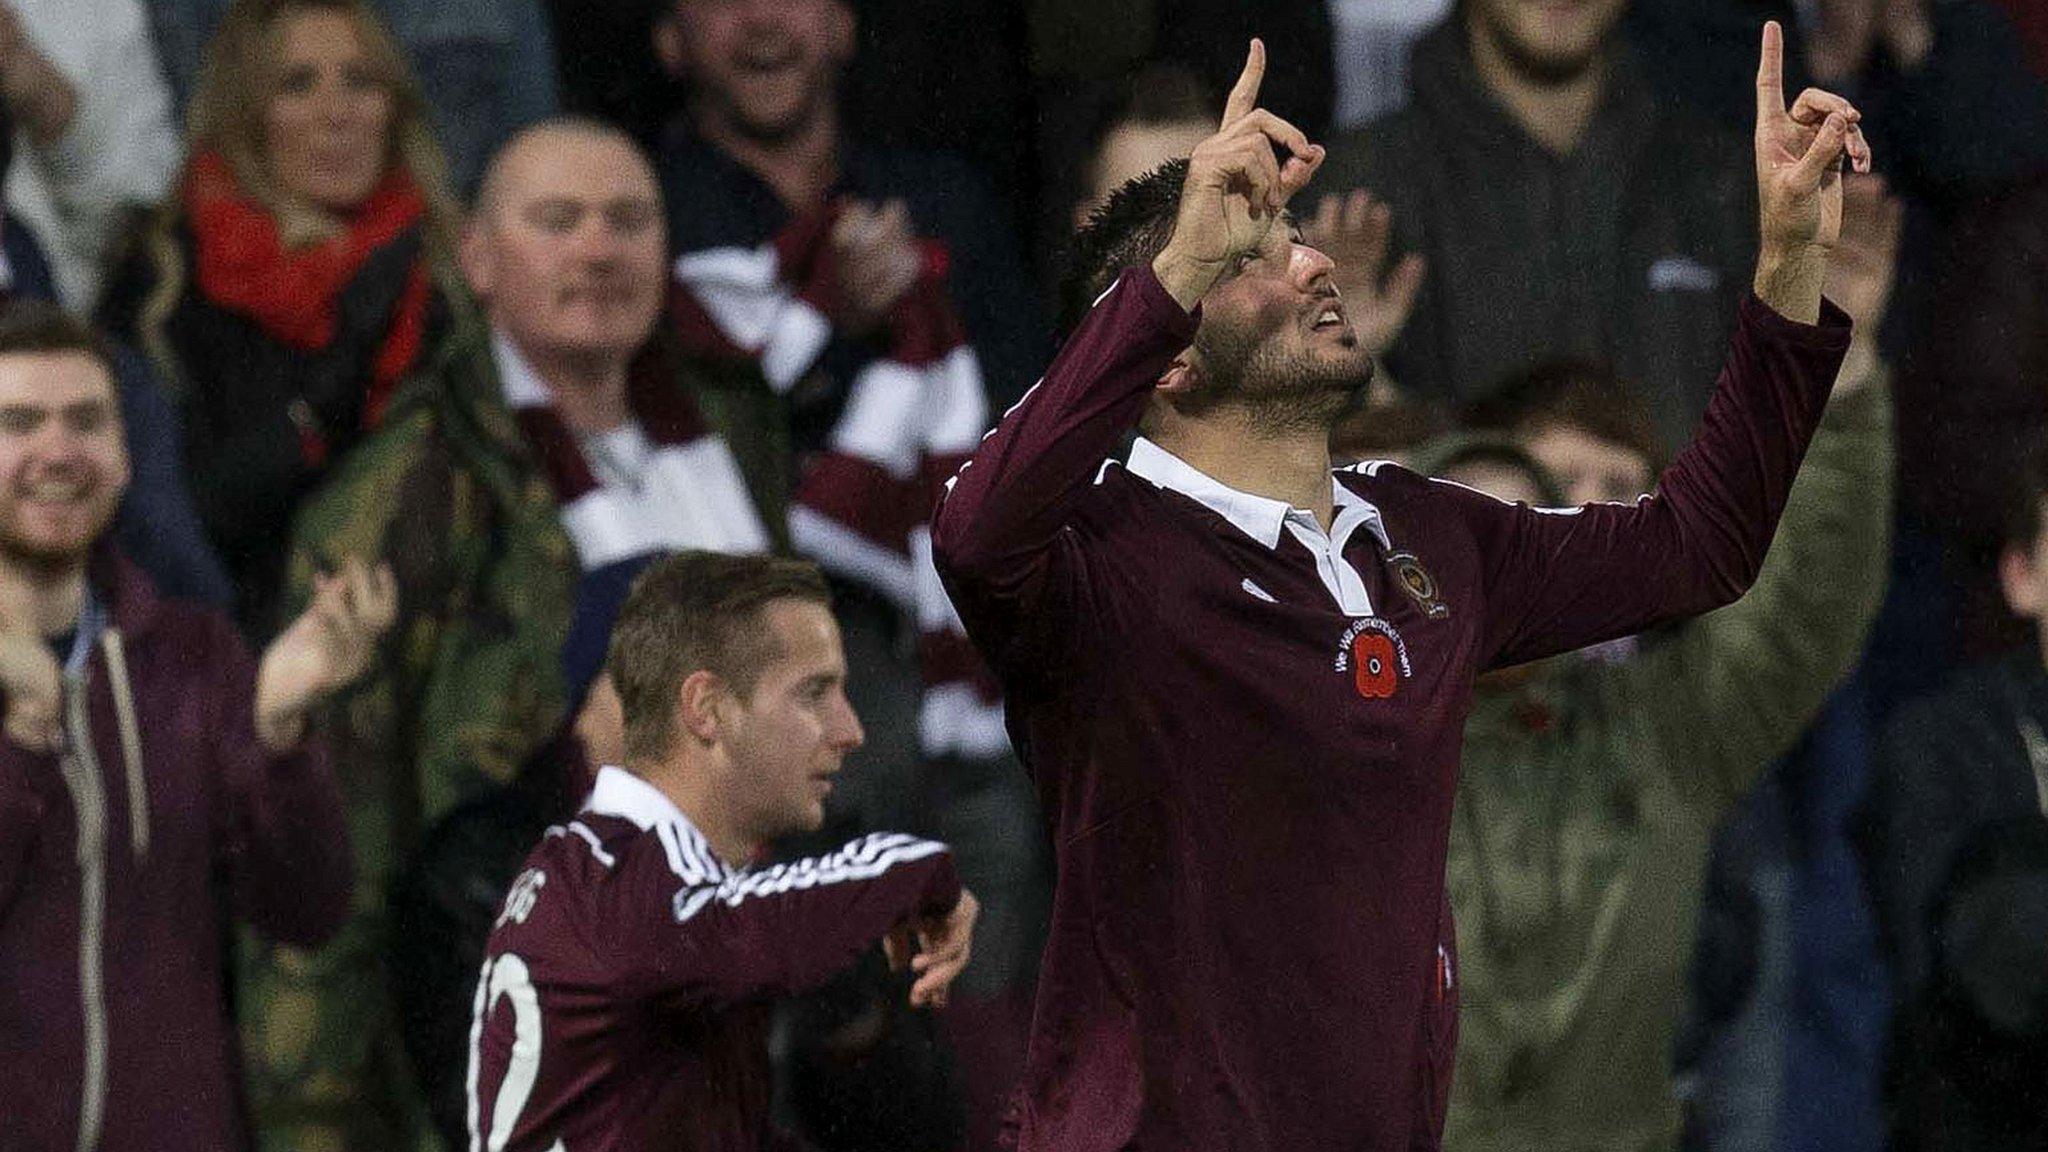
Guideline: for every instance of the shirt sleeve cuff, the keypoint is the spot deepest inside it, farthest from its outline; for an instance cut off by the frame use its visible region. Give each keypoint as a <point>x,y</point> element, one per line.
<point>1158,305</point>
<point>1831,332</point>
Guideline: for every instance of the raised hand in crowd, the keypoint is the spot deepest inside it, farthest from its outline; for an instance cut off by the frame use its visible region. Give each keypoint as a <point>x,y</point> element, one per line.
<point>33,685</point>
<point>1843,34</point>
<point>38,95</point>
<point>878,261</point>
<point>324,650</point>
<point>936,948</point>
<point>1236,186</point>
<point>1861,270</point>
<point>1353,230</point>
<point>1799,154</point>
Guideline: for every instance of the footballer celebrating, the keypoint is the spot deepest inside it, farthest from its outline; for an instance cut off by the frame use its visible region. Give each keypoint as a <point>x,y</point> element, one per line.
<point>1239,678</point>
<point>626,990</point>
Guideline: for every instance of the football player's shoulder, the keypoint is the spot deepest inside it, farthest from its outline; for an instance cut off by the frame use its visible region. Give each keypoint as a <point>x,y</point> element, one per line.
<point>1115,499</point>
<point>566,881</point>
<point>590,846</point>
<point>1383,481</point>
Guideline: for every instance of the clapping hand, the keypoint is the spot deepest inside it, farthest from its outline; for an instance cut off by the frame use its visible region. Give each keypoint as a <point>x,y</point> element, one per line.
<point>1238,181</point>
<point>33,685</point>
<point>1861,270</point>
<point>1353,231</point>
<point>936,948</point>
<point>878,261</point>
<point>324,650</point>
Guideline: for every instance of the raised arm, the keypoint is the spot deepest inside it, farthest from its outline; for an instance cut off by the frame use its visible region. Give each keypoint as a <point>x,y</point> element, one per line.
<point>285,846</point>
<point>1799,155</point>
<point>996,535</point>
<point>1558,581</point>
<point>708,936</point>
<point>1755,673</point>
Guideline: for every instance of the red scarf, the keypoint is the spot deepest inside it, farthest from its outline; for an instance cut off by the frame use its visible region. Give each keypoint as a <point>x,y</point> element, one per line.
<point>243,265</point>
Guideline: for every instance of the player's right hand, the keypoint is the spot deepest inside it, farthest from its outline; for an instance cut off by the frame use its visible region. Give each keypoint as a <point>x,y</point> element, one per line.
<point>943,944</point>
<point>1235,188</point>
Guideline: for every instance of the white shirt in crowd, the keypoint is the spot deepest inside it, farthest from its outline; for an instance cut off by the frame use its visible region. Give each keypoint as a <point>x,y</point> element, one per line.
<point>121,150</point>
<point>1372,42</point>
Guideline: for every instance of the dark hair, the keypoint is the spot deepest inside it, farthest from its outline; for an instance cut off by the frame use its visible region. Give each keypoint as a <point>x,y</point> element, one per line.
<point>696,611</point>
<point>1583,395</point>
<point>1131,227</point>
<point>2025,489</point>
<point>30,325</point>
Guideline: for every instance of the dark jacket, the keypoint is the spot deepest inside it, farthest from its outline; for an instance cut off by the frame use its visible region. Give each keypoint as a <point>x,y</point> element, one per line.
<point>238,389</point>
<point>118,863</point>
<point>1633,249</point>
<point>1956,835</point>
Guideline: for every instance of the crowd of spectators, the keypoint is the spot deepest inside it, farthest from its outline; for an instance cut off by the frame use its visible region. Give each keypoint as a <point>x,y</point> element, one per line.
<point>419,327</point>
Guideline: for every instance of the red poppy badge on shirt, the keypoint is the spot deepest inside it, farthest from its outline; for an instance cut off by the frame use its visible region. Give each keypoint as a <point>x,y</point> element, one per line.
<point>1376,656</point>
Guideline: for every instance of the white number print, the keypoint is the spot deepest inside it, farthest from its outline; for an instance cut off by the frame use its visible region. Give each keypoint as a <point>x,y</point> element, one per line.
<point>505,978</point>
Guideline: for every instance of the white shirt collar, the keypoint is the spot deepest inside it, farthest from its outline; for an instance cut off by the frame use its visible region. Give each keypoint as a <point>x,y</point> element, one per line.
<point>622,794</point>
<point>523,386</point>
<point>1259,517</point>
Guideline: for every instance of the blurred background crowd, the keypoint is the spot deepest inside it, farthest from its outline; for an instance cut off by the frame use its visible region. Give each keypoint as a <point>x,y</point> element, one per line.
<point>513,295</point>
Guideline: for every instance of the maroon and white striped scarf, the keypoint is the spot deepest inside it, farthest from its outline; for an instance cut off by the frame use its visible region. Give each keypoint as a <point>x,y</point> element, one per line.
<point>862,506</point>
<point>689,492</point>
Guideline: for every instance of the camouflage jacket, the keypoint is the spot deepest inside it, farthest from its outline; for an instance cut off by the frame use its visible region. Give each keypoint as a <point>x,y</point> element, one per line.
<point>469,686</point>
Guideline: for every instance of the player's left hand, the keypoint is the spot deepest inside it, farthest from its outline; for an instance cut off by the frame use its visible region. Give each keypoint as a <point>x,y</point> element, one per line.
<point>1799,151</point>
<point>324,650</point>
<point>936,948</point>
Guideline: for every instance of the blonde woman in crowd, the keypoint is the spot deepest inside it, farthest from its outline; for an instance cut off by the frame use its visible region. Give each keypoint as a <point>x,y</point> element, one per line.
<point>298,272</point>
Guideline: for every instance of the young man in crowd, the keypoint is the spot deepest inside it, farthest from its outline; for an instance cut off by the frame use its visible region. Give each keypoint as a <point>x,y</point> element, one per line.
<point>626,996</point>
<point>1592,235</point>
<point>516,487</point>
<point>1592,783</point>
<point>1956,847</point>
<point>1239,679</point>
<point>153,779</point>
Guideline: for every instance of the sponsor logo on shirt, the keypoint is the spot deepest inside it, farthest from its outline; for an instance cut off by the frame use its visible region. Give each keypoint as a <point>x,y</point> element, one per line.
<point>1257,591</point>
<point>1375,655</point>
<point>1419,583</point>
<point>1682,274</point>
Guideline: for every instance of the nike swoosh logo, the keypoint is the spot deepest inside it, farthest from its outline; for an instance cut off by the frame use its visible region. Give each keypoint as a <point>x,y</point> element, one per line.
<point>1255,590</point>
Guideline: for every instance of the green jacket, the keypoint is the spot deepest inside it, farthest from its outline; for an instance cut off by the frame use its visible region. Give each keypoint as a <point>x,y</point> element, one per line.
<point>1588,794</point>
<point>469,686</point>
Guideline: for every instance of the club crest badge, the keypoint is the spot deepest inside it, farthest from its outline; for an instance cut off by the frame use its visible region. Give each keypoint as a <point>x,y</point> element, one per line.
<point>1376,656</point>
<point>1419,584</point>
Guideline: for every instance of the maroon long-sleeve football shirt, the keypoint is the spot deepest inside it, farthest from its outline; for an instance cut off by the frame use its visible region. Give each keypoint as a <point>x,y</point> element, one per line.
<point>627,985</point>
<point>1245,730</point>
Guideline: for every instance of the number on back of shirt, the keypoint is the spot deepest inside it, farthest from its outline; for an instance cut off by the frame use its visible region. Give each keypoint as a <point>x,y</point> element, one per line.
<point>505,978</point>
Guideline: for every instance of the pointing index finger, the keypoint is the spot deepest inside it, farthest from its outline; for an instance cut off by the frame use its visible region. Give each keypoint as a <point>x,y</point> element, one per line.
<point>1244,95</point>
<point>1770,73</point>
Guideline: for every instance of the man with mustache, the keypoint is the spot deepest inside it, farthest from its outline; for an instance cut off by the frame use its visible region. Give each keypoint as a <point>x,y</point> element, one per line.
<point>1239,679</point>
